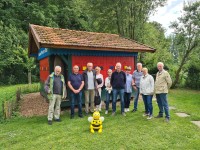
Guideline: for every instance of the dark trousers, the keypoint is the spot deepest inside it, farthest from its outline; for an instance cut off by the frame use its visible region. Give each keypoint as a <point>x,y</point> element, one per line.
<point>77,97</point>
<point>148,104</point>
<point>121,94</point>
<point>163,104</point>
<point>108,96</point>
<point>127,98</point>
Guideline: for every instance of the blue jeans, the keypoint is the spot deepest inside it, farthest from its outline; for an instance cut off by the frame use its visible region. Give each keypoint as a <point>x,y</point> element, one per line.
<point>136,96</point>
<point>148,104</point>
<point>108,96</point>
<point>115,93</point>
<point>163,104</point>
<point>77,97</point>
<point>127,98</point>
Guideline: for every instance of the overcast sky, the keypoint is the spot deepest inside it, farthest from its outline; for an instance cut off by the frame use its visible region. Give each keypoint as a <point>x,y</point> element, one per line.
<point>169,13</point>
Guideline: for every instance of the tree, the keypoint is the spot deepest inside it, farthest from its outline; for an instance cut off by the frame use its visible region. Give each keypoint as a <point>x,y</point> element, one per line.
<point>187,35</point>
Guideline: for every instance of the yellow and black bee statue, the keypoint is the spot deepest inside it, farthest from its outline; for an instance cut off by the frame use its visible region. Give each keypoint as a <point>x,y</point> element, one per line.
<point>96,122</point>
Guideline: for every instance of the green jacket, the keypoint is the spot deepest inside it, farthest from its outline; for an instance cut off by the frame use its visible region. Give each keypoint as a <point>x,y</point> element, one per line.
<point>163,82</point>
<point>49,86</point>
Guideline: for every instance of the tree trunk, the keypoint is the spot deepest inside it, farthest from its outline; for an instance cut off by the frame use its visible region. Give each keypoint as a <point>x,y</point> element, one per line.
<point>29,77</point>
<point>177,76</point>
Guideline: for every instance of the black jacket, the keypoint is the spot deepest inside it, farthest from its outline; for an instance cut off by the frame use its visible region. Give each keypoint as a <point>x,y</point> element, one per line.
<point>85,78</point>
<point>118,80</point>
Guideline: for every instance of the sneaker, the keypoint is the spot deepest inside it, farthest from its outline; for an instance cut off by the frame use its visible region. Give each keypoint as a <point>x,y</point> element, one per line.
<point>150,117</point>
<point>123,114</point>
<point>49,122</point>
<point>106,112</point>
<point>134,110</point>
<point>127,110</point>
<point>81,116</point>
<point>113,113</point>
<point>159,116</point>
<point>99,109</point>
<point>145,115</point>
<point>167,120</point>
<point>58,120</point>
<point>72,117</point>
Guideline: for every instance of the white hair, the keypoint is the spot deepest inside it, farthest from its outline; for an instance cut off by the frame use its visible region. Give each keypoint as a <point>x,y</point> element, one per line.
<point>139,64</point>
<point>89,63</point>
<point>160,63</point>
<point>57,67</point>
<point>118,63</point>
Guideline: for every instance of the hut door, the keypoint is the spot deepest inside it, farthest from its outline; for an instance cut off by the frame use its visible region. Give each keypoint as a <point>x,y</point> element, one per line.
<point>58,62</point>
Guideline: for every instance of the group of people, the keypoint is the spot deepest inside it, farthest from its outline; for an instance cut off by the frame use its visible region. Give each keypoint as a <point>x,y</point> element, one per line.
<point>117,83</point>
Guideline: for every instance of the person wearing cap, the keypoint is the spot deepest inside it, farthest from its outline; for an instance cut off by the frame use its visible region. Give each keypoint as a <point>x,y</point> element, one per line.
<point>137,74</point>
<point>100,82</point>
<point>147,91</point>
<point>128,89</point>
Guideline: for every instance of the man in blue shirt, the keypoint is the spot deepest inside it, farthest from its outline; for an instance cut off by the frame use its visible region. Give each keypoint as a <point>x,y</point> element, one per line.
<point>137,74</point>
<point>76,84</point>
<point>118,81</point>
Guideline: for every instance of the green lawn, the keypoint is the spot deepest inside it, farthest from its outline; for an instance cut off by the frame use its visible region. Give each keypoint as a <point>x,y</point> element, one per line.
<point>130,132</point>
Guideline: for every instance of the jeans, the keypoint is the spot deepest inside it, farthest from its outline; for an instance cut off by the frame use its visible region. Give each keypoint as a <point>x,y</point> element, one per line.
<point>163,104</point>
<point>108,96</point>
<point>115,93</point>
<point>77,97</point>
<point>148,104</point>
<point>127,98</point>
<point>137,92</point>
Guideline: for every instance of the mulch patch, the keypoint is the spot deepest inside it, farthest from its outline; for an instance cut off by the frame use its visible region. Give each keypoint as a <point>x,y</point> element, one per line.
<point>33,104</point>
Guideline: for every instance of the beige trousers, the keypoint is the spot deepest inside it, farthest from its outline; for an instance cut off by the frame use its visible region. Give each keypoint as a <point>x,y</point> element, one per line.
<point>89,97</point>
<point>54,107</point>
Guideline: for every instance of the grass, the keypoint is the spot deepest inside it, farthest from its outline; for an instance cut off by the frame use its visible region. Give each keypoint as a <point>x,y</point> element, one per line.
<point>130,132</point>
<point>9,92</point>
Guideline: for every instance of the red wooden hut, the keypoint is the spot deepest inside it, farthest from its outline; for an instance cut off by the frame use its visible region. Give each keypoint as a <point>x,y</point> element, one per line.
<point>64,47</point>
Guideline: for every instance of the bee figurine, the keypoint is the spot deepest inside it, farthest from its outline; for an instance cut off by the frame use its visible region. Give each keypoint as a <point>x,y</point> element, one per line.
<point>96,122</point>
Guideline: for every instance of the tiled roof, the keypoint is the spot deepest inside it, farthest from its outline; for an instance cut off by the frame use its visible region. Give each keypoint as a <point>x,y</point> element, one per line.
<point>48,37</point>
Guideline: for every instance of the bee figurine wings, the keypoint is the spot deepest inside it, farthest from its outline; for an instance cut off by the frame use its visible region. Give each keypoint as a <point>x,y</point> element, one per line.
<point>96,122</point>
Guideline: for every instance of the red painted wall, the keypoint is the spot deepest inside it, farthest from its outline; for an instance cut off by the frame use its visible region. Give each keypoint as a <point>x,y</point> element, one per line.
<point>103,61</point>
<point>44,69</point>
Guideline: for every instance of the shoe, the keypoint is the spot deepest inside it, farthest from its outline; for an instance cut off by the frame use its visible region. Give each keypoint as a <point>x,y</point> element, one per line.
<point>123,114</point>
<point>113,113</point>
<point>150,117</point>
<point>72,117</point>
<point>106,112</point>
<point>159,116</point>
<point>125,109</point>
<point>99,109</point>
<point>167,120</point>
<point>49,122</point>
<point>134,110</point>
<point>81,116</point>
<point>58,120</point>
<point>145,115</point>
